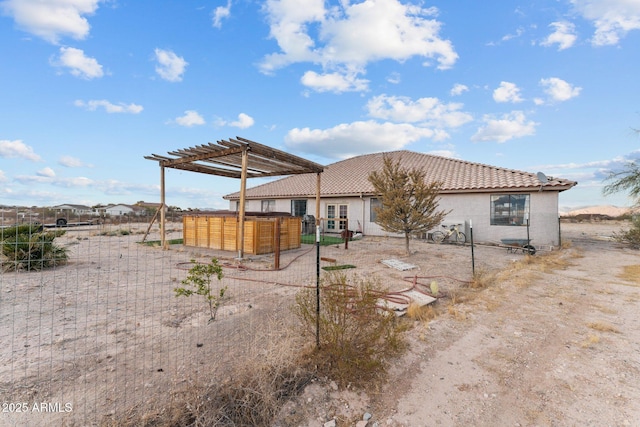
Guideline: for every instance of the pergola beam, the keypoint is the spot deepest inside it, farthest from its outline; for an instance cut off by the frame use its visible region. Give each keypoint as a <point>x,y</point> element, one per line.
<point>201,156</point>
<point>282,156</point>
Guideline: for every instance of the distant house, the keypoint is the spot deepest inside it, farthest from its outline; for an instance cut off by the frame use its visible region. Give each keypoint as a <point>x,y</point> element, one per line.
<point>75,209</point>
<point>496,201</point>
<point>122,210</point>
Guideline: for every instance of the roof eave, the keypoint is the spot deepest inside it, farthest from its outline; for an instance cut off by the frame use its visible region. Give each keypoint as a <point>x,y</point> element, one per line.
<point>557,188</point>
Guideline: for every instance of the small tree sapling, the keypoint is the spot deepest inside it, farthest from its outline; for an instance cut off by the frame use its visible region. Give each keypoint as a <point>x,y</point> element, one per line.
<point>198,282</point>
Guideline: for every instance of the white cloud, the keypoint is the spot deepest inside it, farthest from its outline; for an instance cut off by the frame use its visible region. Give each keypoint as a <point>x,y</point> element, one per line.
<point>445,153</point>
<point>507,92</point>
<point>17,150</point>
<point>613,19</point>
<point>3,177</point>
<point>334,82</point>
<point>594,164</point>
<point>119,188</point>
<point>220,13</point>
<point>121,107</point>
<point>394,78</point>
<point>345,38</point>
<point>71,162</point>
<point>170,66</point>
<point>403,121</point>
<point>190,118</point>
<point>519,32</point>
<point>426,111</point>
<point>80,65</point>
<point>52,19</point>
<point>559,90</point>
<point>512,125</point>
<point>49,177</point>
<point>244,121</point>
<point>46,172</point>
<point>564,35</point>
<point>458,89</point>
<point>349,139</point>
<point>596,170</point>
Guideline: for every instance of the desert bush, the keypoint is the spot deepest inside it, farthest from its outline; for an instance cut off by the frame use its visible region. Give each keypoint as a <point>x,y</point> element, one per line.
<point>631,236</point>
<point>250,392</point>
<point>357,336</point>
<point>118,232</point>
<point>29,247</point>
<point>482,278</point>
<point>421,313</point>
<point>254,395</point>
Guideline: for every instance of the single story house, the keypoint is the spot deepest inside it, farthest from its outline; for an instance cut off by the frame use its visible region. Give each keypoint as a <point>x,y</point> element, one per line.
<point>497,202</point>
<point>121,210</point>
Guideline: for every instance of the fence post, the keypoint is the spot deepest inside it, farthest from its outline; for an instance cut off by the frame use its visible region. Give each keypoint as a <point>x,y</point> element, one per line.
<point>276,243</point>
<point>559,233</point>
<point>346,234</point>
<point>318,286</point>
<point>473,260</point>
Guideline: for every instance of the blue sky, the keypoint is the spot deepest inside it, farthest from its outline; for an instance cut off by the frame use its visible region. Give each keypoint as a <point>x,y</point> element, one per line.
<point>89,87</point>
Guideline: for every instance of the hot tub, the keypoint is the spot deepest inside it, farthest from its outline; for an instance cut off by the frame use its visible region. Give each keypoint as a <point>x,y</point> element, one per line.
<point>219,230</point>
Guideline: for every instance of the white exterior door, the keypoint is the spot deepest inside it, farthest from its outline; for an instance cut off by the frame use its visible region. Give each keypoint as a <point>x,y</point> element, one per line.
<point>336,217</point>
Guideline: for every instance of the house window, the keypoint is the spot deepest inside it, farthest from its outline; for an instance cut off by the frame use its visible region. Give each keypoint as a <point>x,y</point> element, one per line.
<point>373,205</point>
<point>298,207</point>
<point>336,213</point>
<point>268,205</point>
<point>509,209</point>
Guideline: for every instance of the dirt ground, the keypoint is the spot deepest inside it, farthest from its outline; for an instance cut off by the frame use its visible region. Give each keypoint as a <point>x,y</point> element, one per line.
<point>545,347</point>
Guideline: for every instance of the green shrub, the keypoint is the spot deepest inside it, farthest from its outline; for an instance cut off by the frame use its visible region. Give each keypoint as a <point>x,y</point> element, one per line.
<point>631,236</point>
<point>357,336</point>
<point>29,247</point>
<point>198,282</point>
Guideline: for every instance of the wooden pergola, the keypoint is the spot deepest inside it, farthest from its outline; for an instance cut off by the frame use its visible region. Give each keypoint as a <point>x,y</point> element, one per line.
<point>235,158</point>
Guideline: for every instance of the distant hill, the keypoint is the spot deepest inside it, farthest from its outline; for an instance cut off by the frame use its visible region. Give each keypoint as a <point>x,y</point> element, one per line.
<point>607,210</point>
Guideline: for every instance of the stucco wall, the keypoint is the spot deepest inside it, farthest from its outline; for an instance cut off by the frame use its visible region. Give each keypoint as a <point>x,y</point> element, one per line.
<point>543,218</point>
<point>465,209</point>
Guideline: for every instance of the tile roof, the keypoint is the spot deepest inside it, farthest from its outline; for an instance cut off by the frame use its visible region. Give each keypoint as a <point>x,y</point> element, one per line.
<point>350,177</point>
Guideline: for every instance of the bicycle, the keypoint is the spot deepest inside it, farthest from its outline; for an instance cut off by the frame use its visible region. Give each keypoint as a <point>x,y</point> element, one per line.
<point>452,235</point>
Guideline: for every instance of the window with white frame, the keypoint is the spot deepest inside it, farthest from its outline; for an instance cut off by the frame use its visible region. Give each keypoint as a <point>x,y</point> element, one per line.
<point>509,209</point>
<point>373,205</point>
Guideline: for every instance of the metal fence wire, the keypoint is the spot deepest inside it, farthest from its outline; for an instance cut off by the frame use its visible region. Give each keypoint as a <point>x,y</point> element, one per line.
<point>100,331</point>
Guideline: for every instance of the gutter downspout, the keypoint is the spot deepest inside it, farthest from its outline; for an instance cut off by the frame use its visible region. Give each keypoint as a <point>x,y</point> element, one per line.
<point>363,208</point>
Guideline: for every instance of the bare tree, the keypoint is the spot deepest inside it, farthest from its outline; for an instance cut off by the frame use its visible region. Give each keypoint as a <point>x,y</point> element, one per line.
<point>408,202</point>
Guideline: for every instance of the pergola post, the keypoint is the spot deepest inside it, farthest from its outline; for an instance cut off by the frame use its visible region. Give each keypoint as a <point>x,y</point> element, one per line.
<point>241,210</point>
<point>163,239</point>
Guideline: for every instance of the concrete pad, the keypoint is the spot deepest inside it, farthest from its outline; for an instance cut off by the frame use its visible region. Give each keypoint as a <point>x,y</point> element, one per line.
<point>400,309</point>
<point>397,264</point>
<point>419,298</point>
